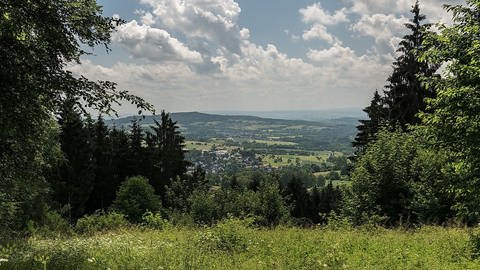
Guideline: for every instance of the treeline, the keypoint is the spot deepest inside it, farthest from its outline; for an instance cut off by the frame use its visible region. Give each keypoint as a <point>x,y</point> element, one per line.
<point>417,153</point>
<point>96,160</point>
<point>144,170</point>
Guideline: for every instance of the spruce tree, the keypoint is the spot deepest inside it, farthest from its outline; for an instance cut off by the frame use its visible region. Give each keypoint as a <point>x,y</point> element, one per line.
<point>75,176</point>
<point>376,112</point>
<point>168,154</point>
<point>120,161</point>
<point>405,93</point>
<point>104,170</point>
<point>136,150</point>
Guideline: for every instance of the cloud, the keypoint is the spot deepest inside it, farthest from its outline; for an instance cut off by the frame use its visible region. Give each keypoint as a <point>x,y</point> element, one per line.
<point>386,30</point>
<point>318,19</point>
<point>432,8</point>
<point>316,14</point>
<point>200,58</point>
<point>144,41</point>
<point>213,21</point>
<point>319,31</point>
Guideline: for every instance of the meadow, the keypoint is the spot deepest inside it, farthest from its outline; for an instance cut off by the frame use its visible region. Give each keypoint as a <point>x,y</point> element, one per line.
<point>232,245</point>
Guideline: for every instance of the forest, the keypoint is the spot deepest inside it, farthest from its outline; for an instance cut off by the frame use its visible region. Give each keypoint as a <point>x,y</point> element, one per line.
<point>78,192</point>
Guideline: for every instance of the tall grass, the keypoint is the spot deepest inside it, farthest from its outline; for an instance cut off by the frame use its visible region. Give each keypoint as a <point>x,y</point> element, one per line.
<point>232,245</point>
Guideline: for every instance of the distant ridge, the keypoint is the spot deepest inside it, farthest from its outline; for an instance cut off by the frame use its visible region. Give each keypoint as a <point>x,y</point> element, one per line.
<point>188,117</point>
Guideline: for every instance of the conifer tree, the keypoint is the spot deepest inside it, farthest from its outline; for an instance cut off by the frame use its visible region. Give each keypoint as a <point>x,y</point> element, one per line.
<point>297,197</point>
<point>136,150</point>
<point>169,154</point>
<point>76,174</point>
<point>405,93</point>
<point>120,161</point>
<point>104,171</point>
<point>376,112</point>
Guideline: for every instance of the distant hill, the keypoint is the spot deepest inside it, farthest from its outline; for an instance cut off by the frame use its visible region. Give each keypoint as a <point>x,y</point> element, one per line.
<point>308,115</point>
<point>332,134</point>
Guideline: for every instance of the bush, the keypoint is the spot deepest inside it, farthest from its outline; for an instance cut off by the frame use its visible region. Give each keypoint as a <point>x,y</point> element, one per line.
<point>228,235</point>
<point>204,209</point>
<point>154,221</point>
<point>383,177</point>
<point>101,221</point>
<point>135,197</point>
<point>52,224</point>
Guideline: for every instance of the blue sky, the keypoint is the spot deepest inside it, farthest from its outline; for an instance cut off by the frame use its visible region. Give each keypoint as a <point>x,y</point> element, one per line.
<point>206,55</point>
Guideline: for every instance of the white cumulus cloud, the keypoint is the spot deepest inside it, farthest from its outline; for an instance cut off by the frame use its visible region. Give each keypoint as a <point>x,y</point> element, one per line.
<point>144,41</point>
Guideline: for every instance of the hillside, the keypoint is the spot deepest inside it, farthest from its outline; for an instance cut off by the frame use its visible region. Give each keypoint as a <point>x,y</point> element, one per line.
<point>331,135</point>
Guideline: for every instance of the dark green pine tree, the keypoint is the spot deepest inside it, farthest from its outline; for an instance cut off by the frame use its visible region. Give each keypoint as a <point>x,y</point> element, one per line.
<point>405,93</point>
<point>136,150</point>
<point>75,176</point>
<point>315,198</point>
<point>297,197</point>
<point>104,169</point>
<point>120,161</point>
<point>377,113</point>
<point>169,154</point>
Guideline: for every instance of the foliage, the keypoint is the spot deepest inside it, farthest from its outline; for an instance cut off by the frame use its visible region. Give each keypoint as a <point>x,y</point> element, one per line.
<point>154,221</point>
<point>51,224</point>
<point>228,235</point>
<point>73,179</point>
<point>100,221</point>
<point>271,209</point>
<point>405,94</point>
<point>382,178</point>
<point>23,188</point>
<point>38,39</point>
<point>279,248</point>
<point>135,197</point>
<point>452,123</point>
<point>204,210</point>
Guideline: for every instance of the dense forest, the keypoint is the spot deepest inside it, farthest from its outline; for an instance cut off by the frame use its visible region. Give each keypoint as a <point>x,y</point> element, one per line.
<point>415,162</point>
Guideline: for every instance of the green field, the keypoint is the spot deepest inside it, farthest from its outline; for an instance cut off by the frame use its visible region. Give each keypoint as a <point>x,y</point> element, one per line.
<point>277,161</point>
<point>248,248</point>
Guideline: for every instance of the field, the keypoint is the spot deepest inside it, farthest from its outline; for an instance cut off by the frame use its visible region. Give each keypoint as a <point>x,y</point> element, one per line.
<point>239,247</point>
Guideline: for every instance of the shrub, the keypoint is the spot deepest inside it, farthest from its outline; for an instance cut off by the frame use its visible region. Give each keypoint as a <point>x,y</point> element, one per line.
<point>204,210</point>
<point>154,221</point>
<point>101,221</point>
<point>383,177</point>
<point>134,197</point>
<point>52,224</point>
<point>228,235</point>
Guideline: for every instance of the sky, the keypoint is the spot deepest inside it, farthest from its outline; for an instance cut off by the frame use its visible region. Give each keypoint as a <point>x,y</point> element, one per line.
<point>253,55</point>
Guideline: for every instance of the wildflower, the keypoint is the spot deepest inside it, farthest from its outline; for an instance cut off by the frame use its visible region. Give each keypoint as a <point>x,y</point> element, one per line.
<point>3,260</point>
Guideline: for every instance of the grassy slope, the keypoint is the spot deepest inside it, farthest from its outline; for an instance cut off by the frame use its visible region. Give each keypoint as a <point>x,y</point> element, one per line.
<point>282,248</point>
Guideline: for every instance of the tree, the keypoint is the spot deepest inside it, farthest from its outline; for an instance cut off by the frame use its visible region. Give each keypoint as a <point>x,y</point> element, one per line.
<point>135,197</point>
<point>75,177</point>
<point>169,154</point>
<point>297,197</point>
<point>382,178</point>
<point>376,113</point>
<point>104,167</point>
<point>37,40</point>
<point>452,121</point>
<point>136,153</point>
<point>405,93</point>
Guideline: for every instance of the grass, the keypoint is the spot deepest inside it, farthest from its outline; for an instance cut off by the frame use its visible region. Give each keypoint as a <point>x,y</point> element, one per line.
<point>281,248</point>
